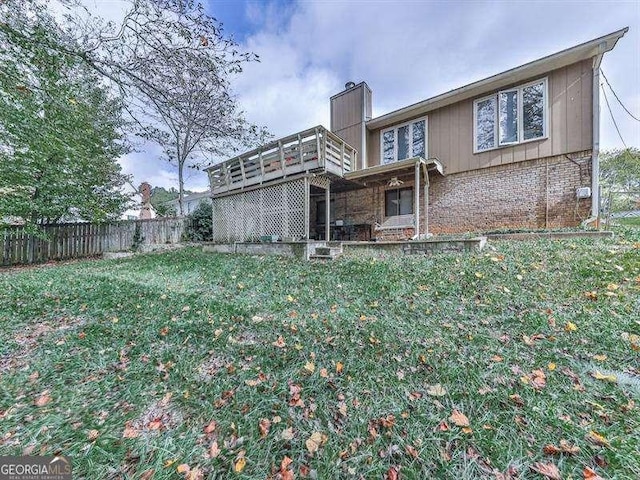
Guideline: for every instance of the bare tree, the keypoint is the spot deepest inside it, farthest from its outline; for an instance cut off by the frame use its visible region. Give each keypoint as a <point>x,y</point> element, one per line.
<point>172,64</point>
<point>198,122</point>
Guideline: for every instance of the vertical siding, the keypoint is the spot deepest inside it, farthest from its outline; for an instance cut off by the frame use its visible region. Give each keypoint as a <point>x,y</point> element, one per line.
<point>373,148</point>
<point>346,109</point>
<point>569,126</point>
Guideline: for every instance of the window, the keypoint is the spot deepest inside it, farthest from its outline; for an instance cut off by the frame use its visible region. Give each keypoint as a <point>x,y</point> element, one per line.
<point>398,202</point>
<point>405,141</point>
<point>510,116</point>
<point>321,211</point>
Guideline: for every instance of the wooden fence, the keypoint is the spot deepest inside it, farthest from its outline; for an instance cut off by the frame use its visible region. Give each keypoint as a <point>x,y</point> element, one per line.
<point>76,240</point>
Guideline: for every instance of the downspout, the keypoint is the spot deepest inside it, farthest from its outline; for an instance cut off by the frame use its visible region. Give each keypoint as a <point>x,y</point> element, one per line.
<point>595,160</point>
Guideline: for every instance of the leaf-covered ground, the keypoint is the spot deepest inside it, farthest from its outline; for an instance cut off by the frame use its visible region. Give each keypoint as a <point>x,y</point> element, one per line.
<point>516,362</point>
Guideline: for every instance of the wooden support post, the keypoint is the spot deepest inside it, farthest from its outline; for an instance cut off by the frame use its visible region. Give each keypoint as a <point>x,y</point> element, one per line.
<point>261,167</point>
<point>307,210</point>
<point>416,203</point>
<point>327,213</point>
<point>342,157</point>
<point>300,149</point>
<point>426,200</point>
<point>244,178</point>
<point>282,166</point>
<point>227,177</point>
<point>318,149</point>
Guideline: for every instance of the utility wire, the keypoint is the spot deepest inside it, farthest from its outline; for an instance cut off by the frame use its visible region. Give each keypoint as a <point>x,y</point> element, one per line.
<point>612,117</point>
<point>619,101</point>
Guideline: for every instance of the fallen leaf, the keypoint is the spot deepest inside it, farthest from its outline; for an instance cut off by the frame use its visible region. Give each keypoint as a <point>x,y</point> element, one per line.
<point>264,425</point>
<point>239,465</point>
<point>280,343</point>
<point>415,396</point>
<point>183,468</point>
<point>570,327</point>
<point>442,426</point>
<point>593,295</point>
<point>92,435</point>
<point>600,358</point>
<point>551,366</point>
<point>214,450</point>
<point>211,426</point>
<point>565,447</point>
<point>195,474</point>
<point>164,331</point>
<point>43,399</point>
<point>458,418</point>
<point>155,424</point>
<point>129,431</point>
<point>608,378</point>
<point>287,434</point>
<point>590,474</point>
<point>410,449</point>
<point>436,390</point>
<point>186,308</point>
<point>393,473</point>
<point>324,373</point>
<point>496,358</point>
<point>597,439</point>
<point>538,379</point>
<point>285,473</point>
<point>549,470</point>
<point>147,475</point>
<point>517,399</point>
<point>309,367</point>
<point>315,441</point>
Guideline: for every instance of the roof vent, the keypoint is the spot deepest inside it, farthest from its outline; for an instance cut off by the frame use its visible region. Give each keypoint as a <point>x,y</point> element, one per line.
<point>349,85</point>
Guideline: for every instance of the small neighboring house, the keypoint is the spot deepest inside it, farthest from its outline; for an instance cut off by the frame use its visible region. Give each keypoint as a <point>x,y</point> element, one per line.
<point>141,208</point>
<point>515,150</point>
<point>189,202</point>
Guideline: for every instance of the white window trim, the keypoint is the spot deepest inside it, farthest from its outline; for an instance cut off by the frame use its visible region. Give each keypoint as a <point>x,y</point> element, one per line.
<point>518,93</point>
<point>496,134</point>
<point>395,129</point>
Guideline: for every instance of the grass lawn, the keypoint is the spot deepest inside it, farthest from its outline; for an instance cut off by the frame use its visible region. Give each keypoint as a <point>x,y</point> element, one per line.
<point>629,221</point>
<point>502,364</point>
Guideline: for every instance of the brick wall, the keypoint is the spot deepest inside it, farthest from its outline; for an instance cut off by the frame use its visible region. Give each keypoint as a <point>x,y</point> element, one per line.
<point>538,193</point>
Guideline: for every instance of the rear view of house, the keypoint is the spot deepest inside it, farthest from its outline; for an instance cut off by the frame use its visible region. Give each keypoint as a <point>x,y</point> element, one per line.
<point>515,150</point>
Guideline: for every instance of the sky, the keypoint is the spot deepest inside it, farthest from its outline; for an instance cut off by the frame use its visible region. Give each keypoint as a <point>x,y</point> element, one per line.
<point>406,51</point>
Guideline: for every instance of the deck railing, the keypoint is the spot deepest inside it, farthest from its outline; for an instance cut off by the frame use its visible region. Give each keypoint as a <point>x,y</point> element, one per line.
<point>313,150</point>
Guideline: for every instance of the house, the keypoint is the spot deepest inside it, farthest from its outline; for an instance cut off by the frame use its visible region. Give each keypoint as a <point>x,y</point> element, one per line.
<point>515,150</point>
<point>141,209</point>
<point>190,202</point>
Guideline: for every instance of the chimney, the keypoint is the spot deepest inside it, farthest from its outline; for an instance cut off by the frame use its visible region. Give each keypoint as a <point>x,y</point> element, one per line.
<point>350,109</point>
<point>145,209</point>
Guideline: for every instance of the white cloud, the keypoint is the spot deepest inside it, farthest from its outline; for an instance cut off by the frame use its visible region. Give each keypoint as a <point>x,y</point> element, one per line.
<point>409,51</point>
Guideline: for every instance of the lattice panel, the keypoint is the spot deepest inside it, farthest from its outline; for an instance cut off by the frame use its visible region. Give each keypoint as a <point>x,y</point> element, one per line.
<point>272,210</point>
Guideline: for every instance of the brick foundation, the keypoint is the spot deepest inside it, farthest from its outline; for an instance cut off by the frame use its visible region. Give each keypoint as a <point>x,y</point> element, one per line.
<point>538,193</point>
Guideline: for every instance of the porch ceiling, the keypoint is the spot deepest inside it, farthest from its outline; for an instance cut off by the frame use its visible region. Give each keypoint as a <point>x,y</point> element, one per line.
<point>381,173</point>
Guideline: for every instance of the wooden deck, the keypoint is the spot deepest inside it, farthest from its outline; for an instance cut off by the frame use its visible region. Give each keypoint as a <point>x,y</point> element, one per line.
<point>316,150</point>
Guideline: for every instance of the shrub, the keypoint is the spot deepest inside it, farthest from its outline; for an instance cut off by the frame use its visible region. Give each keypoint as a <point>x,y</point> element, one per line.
<point>199,226</point>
